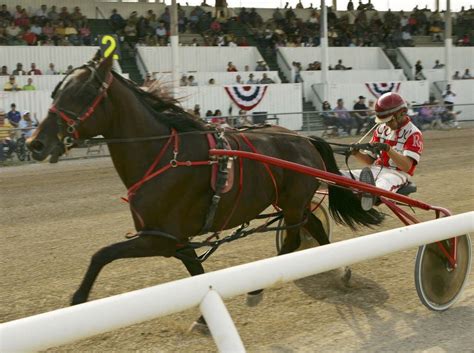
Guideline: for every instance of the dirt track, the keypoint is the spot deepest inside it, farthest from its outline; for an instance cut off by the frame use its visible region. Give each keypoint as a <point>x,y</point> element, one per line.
<point>56,216</point>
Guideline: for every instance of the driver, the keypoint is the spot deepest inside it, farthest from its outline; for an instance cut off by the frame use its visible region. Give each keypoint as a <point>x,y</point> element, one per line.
<point>398,144</point>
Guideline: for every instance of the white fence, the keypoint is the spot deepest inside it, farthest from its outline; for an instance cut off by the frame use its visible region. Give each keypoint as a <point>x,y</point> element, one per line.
<point>412,91</point>
<point>66,325</point>
<point>357,58</point>
<point>61,57</point>
<point>462,57</point>
<point>221,78</point>
<point>207,59</point>
<point>279,98</point>
<point>350,76</point>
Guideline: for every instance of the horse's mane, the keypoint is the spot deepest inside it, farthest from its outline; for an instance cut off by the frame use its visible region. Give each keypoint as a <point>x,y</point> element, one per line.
<point>164,107</point>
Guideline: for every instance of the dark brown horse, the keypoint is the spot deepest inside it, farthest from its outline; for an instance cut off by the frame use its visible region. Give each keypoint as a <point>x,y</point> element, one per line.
<point>170,208</point>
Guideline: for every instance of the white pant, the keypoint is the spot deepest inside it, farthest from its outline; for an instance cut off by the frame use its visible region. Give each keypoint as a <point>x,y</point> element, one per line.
<point>385,178</point>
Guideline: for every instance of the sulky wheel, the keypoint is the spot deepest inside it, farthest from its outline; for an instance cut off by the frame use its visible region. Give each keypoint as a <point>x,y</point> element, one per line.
<point>307,241</point>
<point>439,285</point>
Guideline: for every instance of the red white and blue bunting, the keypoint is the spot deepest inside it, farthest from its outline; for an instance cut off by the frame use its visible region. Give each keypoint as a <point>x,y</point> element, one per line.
<point>379,88</point>
<point>246,97</point>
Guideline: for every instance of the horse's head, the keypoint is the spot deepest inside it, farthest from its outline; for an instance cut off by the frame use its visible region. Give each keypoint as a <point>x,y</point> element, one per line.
<point>78,104</point>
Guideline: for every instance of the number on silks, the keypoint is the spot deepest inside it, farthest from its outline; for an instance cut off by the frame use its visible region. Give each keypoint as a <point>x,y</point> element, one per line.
<point>109,45</point>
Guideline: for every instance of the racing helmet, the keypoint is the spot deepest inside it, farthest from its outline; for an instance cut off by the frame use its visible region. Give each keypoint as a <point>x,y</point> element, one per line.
<point>387,105</point>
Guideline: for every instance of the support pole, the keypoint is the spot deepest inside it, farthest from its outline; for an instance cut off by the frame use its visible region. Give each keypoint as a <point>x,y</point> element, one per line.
<point>448,42</point>
<point>174,41</point>
<point>220,323</point>
<point>324,49</point>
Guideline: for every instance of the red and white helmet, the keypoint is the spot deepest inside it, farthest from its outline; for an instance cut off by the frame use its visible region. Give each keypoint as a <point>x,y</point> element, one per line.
<point>387,105</point>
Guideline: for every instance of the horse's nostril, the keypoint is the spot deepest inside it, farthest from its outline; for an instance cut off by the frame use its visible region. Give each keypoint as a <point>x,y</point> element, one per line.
<point>36,146</point>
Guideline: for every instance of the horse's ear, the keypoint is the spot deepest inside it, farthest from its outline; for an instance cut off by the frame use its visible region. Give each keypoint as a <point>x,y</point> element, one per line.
<point>106,64</point>
<point>97,56</point>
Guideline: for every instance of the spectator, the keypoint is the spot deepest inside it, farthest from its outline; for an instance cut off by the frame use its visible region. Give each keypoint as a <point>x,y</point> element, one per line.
<point>160,31</point>
<point>34,70</point>
<point>238,80</point>
<point>360,114</point>
<point>184,81</point>
<point>456,76</point>
<point>149,80</point>
<point>4,71</point>
<point>247,68</point>
<point>64,14</point>
<point>85,34</point>
<point>231,67</point>
<point>467,75</point>
<point>251,80</point>
<point>197,110</point>
<point>117,21</point>
<point>130,32</point>
<point>69,70</point>
<point>14,116</point>
<point>350,6</point>
<point>11,85</point>
<point>41,15</point>
<point>29,86</point>
<point>448,96</point>
<point>340,66</point>
<point>261,66</point>
<point>438,65</point>
<point>330,120</point>
<point>5,136</point>
<point>27,125</point>
<point>296,68</point>
<point>191,81</point>
<point>344,117</point>
<point>212,81</point>
<point>266,80</point>
<point>419,71</point>
<point>49,32</point>
<point>242,120</point>
<point>13,33</point>
<point>29,37</point>
<point>53,15</point>
<point>77,18</point>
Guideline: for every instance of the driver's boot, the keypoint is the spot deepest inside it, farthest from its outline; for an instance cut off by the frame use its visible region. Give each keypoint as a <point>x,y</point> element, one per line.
<point>367,200</point>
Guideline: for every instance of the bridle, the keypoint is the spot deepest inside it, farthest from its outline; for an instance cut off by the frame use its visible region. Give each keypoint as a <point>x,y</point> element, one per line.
<point>72,119</point>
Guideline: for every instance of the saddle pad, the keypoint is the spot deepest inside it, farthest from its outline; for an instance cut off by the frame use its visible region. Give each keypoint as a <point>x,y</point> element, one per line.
<point>215,167</point>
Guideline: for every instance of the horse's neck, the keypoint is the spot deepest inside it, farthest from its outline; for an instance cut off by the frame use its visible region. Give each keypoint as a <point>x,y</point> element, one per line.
<point>132,120</point>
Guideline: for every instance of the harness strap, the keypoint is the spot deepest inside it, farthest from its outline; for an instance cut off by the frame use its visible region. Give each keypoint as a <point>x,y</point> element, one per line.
<point>220,185</point>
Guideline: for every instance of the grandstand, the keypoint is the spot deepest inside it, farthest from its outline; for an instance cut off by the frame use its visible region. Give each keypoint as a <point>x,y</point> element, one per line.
<point>286,40</point>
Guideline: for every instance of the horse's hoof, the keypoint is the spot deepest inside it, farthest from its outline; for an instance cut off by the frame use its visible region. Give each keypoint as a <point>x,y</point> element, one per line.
<point>200,328</point>
<point>254,298</point>
<point>346,277</point>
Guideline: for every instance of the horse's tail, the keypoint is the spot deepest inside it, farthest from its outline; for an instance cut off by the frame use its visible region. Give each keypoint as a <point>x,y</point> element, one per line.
<point>344,205</point>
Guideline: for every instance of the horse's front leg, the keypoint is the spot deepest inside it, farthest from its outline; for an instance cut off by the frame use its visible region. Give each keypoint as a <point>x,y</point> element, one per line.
<point>142,246</point>
<point>194,267</point>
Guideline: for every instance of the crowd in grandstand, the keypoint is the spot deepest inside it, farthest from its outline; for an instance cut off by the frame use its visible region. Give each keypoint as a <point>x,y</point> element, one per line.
<point>361,26</point>
<point>46,26</point>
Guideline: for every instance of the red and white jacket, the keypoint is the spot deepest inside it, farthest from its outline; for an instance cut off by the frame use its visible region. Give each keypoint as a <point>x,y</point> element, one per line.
<point>407,140</point>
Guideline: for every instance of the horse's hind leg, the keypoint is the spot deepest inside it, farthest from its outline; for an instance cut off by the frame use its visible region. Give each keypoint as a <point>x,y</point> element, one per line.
<point>142,246</point>
<point>315,227</point>
<point>291,243</point>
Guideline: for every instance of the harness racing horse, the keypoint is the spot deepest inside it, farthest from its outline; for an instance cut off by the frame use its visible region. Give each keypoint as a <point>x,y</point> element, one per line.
<point>161,154</point>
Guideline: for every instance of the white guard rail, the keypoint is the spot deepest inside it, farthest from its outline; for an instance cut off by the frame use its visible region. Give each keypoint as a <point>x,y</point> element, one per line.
<point>73,323</point>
